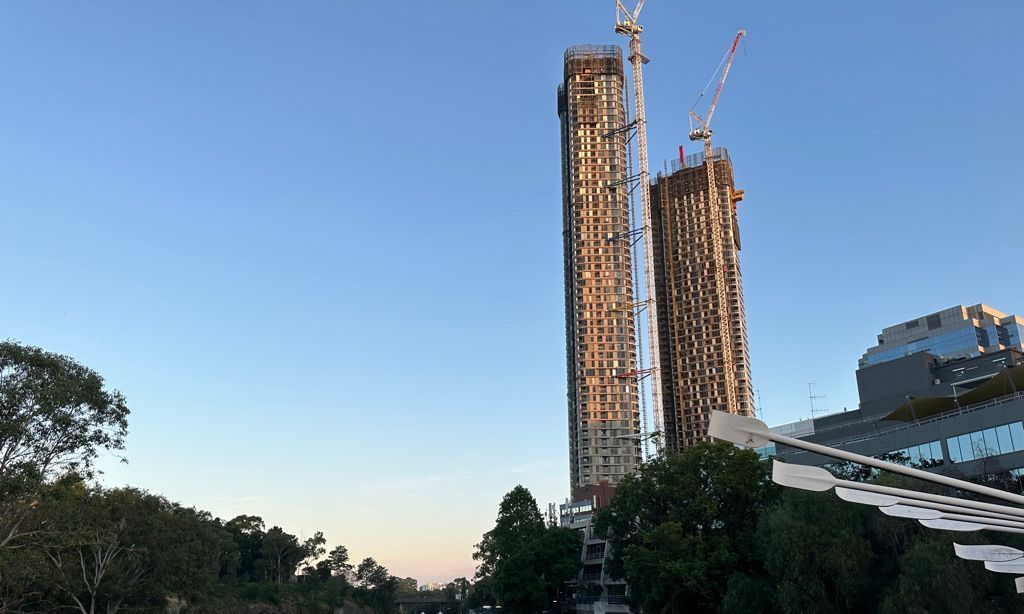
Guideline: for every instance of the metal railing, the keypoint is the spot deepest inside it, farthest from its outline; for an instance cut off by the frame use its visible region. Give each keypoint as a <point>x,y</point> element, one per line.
<point>693,160</point>
<point>953,413</point>
<point>609,599</point>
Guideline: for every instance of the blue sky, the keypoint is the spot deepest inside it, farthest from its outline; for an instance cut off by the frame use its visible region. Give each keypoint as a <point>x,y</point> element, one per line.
<point>317,244</point>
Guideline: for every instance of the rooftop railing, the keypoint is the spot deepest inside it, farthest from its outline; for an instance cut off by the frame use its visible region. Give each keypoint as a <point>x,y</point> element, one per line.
<point>965,409</point>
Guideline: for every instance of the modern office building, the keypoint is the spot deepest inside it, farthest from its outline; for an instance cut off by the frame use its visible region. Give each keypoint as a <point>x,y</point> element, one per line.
<point>599,327</point>
<point>950,399</point>
<point>702,328</point>
<point>957,332</point>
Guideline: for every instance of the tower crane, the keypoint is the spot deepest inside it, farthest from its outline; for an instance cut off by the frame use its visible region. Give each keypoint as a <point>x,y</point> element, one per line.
<point>626,23</point>
<point>702,132</point>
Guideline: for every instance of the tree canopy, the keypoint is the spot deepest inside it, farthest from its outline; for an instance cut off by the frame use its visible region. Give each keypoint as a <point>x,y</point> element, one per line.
<point>522,562</point>
<point>706,530</point>
<point>55,418</point>
<point>68,544</point>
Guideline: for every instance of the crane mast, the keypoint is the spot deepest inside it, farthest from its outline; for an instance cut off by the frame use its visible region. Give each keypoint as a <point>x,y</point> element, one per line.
<point>715,219</point>
<point>626,24</point>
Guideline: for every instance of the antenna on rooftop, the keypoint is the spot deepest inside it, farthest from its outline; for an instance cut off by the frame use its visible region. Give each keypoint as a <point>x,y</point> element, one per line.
<point>815,412</point>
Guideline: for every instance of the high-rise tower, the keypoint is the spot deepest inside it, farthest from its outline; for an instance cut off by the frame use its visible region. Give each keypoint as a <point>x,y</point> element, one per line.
<point>604,414</point>
<point>693,322</point>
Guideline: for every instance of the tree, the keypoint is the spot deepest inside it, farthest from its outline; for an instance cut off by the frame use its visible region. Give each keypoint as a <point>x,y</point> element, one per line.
<point>818,555</point>
<point>519,521</point>
<point>282,553</point>
<point>407,586</point>
<point>524,561</point>
<point>378,583</point>
<point>247,533</point>
<point>123,548</point>
<point>370,574</point>
<point>55,417</point>
<point>686,524</point>
<point>932,580</point>
<point>337,560</point>
<point>323,570</point>
<point>529,578</point>
<point>313,548</point>
<point>461,586</point>
<point>456,593</point>
<point>481,594</point>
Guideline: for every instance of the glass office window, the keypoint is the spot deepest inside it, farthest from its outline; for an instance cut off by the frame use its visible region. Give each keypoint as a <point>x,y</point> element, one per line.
<point>966,447</point>
<point>929,451</point>
<point>953,443</point>
<point>1017,435</point>
<point>991,442</point>
<point>1002,439</point>
<point>1005,442</point>
<point>978,445</point>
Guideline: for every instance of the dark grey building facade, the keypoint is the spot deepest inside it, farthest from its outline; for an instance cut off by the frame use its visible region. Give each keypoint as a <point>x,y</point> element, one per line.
<point>961,416</point>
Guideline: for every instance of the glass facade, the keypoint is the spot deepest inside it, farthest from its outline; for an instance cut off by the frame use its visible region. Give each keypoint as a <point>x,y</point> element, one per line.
<point>962,342</point>
<point>930,452</point>
<point>1014,333</point>
<point>1002,439</point>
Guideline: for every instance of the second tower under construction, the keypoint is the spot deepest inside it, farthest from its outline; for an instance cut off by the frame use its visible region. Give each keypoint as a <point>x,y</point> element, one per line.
<point>693,324</point>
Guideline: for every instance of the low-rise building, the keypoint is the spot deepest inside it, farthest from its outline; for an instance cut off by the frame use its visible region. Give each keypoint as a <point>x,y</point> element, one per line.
<point>594,589</point>
<point>951,401</point>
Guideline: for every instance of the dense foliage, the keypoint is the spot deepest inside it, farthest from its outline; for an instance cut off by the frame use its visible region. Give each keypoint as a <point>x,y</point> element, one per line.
<point>707,531</point>
<point>523,564</point>
<point>69,545</point>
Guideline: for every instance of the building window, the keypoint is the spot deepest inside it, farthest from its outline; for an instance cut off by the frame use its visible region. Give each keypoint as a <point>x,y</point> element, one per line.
<point>1002,439</point>
<point>927,454</point>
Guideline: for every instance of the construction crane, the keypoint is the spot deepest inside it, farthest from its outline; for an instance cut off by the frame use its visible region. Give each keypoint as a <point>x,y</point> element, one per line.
<point>626,23</point>
<point>702,132</point>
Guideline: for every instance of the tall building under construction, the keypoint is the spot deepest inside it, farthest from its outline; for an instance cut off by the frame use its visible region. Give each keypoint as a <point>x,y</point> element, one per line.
<point>704,358</point>
<point>604,414</point>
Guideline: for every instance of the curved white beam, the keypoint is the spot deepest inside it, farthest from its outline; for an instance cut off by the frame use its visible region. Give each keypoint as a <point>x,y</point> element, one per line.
<point>912,512</point>
<point>994,553</point>
<point>952,525</point>
<point>1010,567</point>
<point>751,432</point>
<point>923,513</point>
<point>808,477</point>
<point>880,501</point>
<point>960,525</point>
